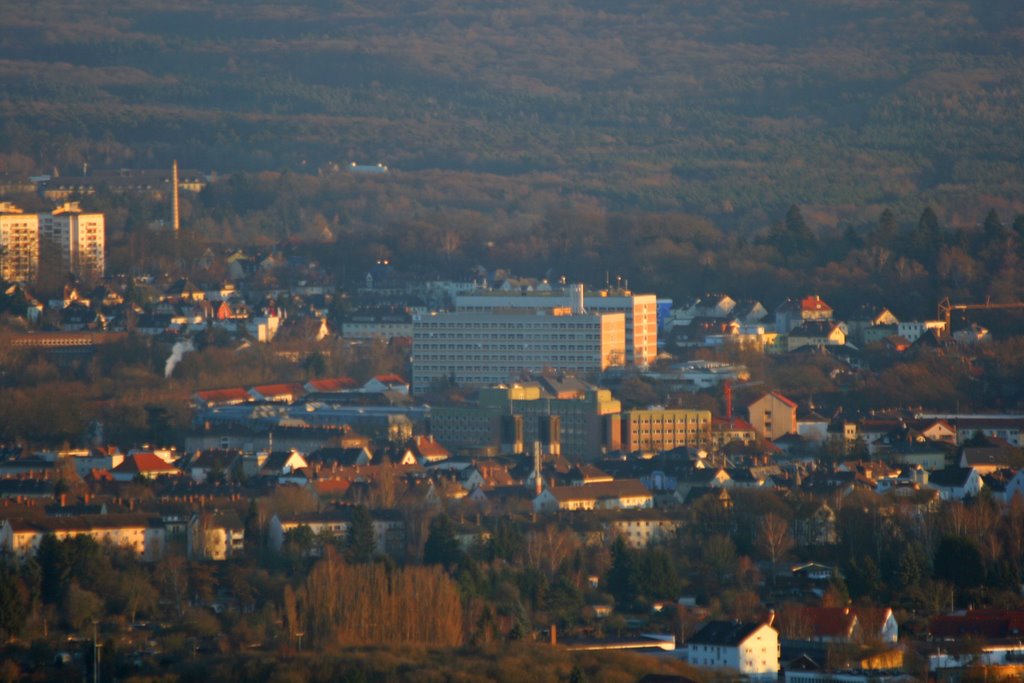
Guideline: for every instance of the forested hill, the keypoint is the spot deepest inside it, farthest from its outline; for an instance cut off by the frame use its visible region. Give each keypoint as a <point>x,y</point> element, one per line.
<point>732,109</point>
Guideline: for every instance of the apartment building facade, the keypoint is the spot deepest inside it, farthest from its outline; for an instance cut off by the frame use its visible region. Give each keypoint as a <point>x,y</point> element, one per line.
<point>491,347</point>
<point>640,311</point>
<point>143,535</point>
<point>772,416</point>
<point>661,430</point>
<point>19,244</point>
<point>78,239</point>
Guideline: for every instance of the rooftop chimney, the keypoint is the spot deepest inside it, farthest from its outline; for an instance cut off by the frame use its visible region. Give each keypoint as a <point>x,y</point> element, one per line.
<point>175,215</point>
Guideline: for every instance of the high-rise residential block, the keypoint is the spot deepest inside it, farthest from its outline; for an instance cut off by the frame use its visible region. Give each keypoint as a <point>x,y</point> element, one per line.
<point>77,239</point>
<point>19,244</point>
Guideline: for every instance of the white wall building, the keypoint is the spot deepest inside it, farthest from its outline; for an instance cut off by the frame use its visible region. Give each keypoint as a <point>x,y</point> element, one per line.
<point>749,649</point>
<point>19,244</point>
<point>140,534</point>
<point>640,310</point>
<point>912,330</point>
<point>79,239</point>
<point>491,347</point>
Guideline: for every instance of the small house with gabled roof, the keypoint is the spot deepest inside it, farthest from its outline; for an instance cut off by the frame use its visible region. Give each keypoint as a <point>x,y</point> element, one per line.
<point>956,483</point>
<point>145,466</point>
<point>333,456</point>
<point>792,312</point>
<point>386,382</point>
<point>282,463</point>
<point>427,449</point>
<point>815,333</point>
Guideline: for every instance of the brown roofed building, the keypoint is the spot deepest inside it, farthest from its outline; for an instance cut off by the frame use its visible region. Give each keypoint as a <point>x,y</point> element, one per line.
<point>428,449</point>
<point>281,393</point>
<point>333,385</point>
<point>615,495</point>
<point>144,465</point>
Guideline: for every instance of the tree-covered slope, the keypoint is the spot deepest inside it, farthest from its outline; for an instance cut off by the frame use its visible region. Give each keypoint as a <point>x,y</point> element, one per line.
<point>727,108</point>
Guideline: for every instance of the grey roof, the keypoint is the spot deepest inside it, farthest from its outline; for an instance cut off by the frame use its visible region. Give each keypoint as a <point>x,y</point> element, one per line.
<point>951,476</point>
<point>724,633</point>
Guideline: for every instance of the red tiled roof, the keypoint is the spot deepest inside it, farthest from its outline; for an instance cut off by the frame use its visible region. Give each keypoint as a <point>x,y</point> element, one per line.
<point>987,623</point>
<point>390,378</point>
<point>834,622</point>
<point>334,384</point>
<point>238,395</point>
<point>733,424</point>
<point>814,303</point>
<point>428,447</point>
<point>279,390</point>
<point>145,462</point>
<point>331,487</point>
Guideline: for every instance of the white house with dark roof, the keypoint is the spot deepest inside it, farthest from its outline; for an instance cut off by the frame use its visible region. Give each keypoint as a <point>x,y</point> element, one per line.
<point>280,463</point>
<point>746,648</point>
<point>956,483</point>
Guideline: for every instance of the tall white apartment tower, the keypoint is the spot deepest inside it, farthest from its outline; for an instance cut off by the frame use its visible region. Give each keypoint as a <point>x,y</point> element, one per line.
<point>19,244</point>
<point>78,238</point>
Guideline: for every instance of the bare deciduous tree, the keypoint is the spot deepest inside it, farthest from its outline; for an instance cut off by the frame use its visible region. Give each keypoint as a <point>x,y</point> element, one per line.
<point>547,548</point>
<point>774,538</point>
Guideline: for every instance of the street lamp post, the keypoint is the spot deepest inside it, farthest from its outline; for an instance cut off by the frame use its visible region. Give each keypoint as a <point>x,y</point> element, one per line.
<point>95,652</point>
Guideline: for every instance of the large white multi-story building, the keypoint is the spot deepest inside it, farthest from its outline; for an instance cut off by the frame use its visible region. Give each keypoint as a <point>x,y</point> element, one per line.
<point>492,346</point>
<point>640,310</point>
<point>77,238</point>
<point>748,649</point>
<point>141,534</point>
<point>19,244</point>
<point>76,241</point>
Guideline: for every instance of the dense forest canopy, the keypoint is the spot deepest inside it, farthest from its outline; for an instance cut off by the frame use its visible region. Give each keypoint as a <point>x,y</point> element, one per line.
<point>727,109</point>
